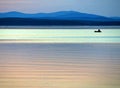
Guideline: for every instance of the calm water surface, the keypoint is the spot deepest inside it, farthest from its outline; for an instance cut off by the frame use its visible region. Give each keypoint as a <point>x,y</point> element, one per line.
<point>59,65</point>
<point>59,36</point>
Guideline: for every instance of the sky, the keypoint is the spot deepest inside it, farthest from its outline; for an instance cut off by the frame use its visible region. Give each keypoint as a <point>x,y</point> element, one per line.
<point>98,7</point>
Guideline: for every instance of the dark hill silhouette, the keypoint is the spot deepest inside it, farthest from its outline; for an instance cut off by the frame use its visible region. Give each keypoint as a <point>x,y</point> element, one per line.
<point>56,18</point>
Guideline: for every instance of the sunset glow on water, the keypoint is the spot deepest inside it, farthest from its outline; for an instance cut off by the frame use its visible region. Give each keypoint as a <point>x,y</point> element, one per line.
<point>59,59</point>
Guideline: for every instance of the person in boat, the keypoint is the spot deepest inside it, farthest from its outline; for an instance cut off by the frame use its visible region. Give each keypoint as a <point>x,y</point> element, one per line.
<point>98,30</point>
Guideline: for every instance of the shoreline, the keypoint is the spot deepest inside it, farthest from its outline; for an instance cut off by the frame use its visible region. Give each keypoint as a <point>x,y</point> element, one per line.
<point>59,27</point>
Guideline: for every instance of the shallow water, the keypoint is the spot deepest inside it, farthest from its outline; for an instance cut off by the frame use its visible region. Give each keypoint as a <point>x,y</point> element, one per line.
<point>59,65</point>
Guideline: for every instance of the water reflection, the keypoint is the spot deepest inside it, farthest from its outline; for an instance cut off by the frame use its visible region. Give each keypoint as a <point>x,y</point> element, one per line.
<point>59,65</point>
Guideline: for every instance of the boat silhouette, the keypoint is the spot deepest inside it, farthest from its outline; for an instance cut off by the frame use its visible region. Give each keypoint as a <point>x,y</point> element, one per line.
<point>98,31</point>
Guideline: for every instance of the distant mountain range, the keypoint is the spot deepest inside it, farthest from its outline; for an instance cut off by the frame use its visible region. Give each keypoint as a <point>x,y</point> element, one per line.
<point>56,18</point>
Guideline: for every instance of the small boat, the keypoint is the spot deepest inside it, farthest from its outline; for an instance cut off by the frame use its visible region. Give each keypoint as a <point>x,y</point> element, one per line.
<point>98,31</point>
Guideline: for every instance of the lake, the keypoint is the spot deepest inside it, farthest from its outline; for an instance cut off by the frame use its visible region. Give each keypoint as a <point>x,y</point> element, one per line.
<point>59,58</point>
<point>59,36</point>
<point>59,65</point>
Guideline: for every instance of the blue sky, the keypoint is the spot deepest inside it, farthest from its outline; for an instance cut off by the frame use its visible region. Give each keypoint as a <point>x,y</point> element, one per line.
<point>99,7</point>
